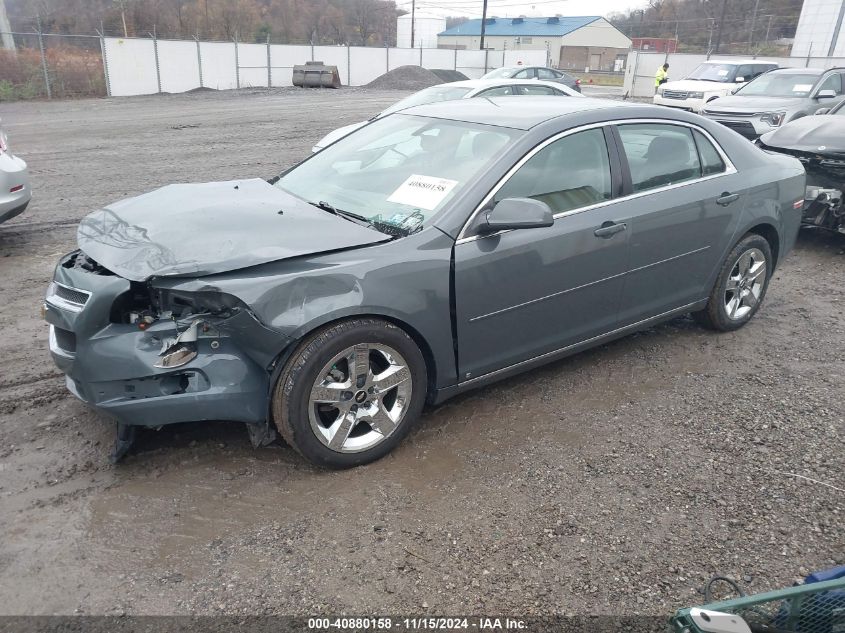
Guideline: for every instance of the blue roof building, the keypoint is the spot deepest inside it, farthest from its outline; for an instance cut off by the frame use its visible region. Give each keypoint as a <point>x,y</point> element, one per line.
<point>572,42</point>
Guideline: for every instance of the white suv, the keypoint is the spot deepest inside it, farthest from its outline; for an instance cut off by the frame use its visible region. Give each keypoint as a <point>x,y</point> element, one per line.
<point>709,81</point>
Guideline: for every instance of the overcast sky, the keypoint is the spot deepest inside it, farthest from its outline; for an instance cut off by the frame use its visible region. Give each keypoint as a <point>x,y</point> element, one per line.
<point>511,8</point>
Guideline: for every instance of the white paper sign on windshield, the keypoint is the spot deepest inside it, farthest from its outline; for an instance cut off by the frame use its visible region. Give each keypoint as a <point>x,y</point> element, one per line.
<point>802,87</point>
<point>425,192</point>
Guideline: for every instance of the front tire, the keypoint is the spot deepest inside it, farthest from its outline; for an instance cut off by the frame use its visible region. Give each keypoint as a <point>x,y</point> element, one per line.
<point>740,287</point>
<point>350,393</point>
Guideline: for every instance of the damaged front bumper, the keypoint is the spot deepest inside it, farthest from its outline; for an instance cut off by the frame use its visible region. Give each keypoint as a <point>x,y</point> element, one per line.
<point>115,365</point>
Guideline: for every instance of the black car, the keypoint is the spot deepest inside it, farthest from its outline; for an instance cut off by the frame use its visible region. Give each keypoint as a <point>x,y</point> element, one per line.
<point>535,72</point>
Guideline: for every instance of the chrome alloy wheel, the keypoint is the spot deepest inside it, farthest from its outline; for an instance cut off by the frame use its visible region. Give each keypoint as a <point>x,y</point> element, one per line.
<point>360,397</point>
<point>745,284</point>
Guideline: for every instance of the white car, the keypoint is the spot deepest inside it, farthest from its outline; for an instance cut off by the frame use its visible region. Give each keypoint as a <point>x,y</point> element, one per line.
<point>459,90</point>
<point>709,81</point>
<point>14,182</point>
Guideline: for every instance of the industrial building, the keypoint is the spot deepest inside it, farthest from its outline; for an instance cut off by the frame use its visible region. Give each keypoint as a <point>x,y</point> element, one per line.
<point>820,32</point>
<point>576,43</point>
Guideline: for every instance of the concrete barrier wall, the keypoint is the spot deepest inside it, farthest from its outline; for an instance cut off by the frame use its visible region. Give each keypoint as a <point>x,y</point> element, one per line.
<point>139,66</point>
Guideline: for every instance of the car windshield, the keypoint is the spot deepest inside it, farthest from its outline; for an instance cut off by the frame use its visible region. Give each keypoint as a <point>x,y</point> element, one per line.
<point>500,73</point>
<point>400,170</point>
<point>429,95</point>
<point>779,85</point>
<point>722,73</point>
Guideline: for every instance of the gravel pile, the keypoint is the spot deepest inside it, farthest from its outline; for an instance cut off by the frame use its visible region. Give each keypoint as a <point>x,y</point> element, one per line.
<point>446,75</point>
<point>405,78</point>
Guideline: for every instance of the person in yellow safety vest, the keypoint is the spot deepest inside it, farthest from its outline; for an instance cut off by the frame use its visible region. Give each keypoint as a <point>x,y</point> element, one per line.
<point>661,76</point>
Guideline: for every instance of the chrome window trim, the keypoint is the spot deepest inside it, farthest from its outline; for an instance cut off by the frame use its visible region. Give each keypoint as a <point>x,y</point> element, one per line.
<point>63,304</point>
<point>729,169</point>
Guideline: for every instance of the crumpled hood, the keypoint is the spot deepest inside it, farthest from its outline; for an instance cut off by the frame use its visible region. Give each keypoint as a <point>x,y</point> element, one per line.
<point>738,103</point>
<point>203,229</point>
<point>821,133</point>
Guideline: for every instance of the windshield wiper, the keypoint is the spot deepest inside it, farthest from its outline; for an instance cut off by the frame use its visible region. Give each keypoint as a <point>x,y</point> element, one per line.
<point>347,215</point>
<point>377,225</point>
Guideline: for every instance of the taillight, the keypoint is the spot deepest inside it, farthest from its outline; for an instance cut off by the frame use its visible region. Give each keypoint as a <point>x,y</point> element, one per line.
<point>577,82</point>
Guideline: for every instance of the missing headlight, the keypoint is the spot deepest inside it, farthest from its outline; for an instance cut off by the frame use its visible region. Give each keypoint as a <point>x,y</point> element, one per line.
<point>182,350</point>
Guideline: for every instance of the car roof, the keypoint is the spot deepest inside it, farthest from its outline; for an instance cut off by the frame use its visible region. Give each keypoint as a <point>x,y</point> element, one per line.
<point>521,114</point>
<point>527,66</point>
<point>502,81</point>
<point>740,62</point>
<point>474,85</point>
<point>798,71</point>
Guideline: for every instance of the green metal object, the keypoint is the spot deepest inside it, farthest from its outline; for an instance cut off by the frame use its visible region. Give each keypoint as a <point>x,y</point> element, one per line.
<point>813,608</point>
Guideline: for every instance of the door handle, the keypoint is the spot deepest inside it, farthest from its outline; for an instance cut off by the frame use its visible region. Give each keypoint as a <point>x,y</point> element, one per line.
<point>609,229</point>
<point>726,198</point>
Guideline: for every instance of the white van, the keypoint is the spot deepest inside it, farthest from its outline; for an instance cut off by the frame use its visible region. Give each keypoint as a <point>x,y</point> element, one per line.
<point>708,81</point>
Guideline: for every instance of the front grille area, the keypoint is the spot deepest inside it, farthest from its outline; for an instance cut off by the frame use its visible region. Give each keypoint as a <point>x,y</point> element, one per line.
<point>675,94</point>
<point>743,127</point>
<point>72,295</point>
<point>65,340</point>
<point>733,115</point>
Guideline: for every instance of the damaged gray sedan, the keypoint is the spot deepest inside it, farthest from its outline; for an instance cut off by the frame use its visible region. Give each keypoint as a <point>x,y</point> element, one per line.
<point>430,252</point>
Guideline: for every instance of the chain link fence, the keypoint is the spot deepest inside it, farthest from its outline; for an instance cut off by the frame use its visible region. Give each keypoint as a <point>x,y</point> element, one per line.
<point>48,65</point>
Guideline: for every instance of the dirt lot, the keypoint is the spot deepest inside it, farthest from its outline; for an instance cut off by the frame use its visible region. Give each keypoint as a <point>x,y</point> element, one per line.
<point>613,482</point>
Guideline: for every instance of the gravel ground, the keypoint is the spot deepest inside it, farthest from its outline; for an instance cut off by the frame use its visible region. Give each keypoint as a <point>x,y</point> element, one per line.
<point>613,482</point>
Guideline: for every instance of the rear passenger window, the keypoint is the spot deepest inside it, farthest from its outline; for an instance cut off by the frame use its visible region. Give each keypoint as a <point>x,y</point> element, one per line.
<point>570,173</point>
<point>711,160</point>
<point>659,154</point>
<point>538,90</point>
<point>501,91</point>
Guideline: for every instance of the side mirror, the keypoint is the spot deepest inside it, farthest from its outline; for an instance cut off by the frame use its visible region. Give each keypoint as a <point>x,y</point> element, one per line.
<point>822,111</point>
<point>740,80</point>
<point>517,213</point>
<point>826,94</point>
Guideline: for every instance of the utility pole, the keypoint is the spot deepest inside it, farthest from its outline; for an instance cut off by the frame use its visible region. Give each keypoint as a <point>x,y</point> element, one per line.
<point>753,20</point>
<point>721,25</point>
<point>413,11</point>
<point>769,28</point>
<point>710,37</point>
<point>483,24</point>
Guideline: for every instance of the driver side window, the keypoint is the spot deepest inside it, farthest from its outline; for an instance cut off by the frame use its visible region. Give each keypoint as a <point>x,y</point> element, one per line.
<point>568,174</point>
<point>832,82</point>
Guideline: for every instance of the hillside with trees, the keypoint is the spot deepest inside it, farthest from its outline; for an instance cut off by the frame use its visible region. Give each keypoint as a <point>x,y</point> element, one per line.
<point>697,24</point>
<point>356,22</point>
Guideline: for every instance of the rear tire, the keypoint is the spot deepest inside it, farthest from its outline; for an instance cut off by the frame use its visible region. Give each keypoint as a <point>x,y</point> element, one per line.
<point>740,287</point>
<point>350,393</point>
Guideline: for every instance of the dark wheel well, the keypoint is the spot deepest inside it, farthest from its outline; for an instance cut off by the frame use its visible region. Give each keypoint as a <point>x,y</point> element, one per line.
<point>770,234</point>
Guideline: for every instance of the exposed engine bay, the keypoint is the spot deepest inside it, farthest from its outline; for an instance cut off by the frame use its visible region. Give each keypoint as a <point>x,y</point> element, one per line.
<point>824,206</point>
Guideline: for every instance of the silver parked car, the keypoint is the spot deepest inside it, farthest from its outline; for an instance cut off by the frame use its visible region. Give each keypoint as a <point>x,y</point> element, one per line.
<point>777,97</point>
<point>467,89</point>
<point>14,181</point>
<point>535,72</point>
<point>432,251</point>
